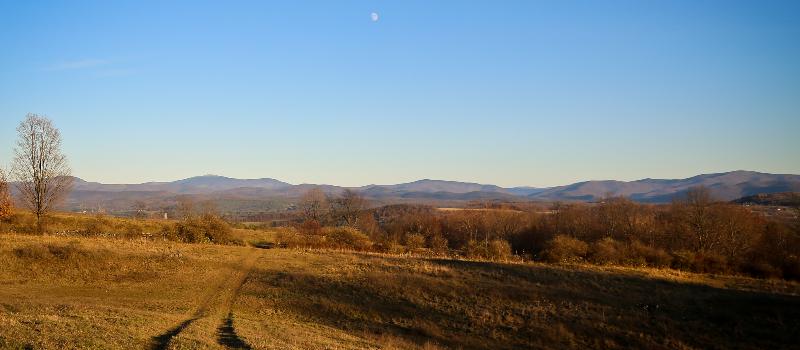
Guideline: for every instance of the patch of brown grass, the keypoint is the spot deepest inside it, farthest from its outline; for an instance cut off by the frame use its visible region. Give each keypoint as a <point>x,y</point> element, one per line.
<point>309,299</point>
<point>65,292</point>
<point>77,293</point>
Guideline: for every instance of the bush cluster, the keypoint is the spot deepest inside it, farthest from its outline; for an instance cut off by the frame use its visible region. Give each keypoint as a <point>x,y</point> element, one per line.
<point>205,228</point>
<point>565,249</point>
<point>693,234</point>
<point>341,237</point>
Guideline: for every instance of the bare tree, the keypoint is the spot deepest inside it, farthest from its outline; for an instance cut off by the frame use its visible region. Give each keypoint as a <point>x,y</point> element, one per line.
<point>347,207</point>
<point>6,205</point>
<point>700,218</point>
<point>314,205</point>
<point>40,169</point>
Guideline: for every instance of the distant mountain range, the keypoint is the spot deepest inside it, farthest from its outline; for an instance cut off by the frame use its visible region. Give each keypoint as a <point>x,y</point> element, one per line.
<point>193,185</point>
<point>724,186</point>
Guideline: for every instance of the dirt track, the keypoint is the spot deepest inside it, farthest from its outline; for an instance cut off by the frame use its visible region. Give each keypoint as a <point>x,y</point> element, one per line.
<point>217,303</point>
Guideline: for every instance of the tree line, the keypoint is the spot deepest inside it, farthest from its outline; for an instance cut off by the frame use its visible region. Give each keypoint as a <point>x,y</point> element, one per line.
<point>694,232</point>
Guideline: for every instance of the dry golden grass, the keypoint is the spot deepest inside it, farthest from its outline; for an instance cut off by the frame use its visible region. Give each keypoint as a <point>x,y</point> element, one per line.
<point>256,236</point>
<point>104,293</point>
<point>314,300</point>
<point>66,292</point>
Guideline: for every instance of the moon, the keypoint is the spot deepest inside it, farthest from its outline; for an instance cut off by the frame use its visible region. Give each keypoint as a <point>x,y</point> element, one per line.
<point>374,16</point>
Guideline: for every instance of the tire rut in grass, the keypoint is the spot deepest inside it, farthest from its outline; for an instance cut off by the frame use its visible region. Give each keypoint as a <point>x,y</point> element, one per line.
<point>226,333</point>
<point>227,336</point>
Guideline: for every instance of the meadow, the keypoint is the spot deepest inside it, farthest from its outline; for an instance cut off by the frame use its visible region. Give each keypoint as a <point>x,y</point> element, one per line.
<point>69,292</point>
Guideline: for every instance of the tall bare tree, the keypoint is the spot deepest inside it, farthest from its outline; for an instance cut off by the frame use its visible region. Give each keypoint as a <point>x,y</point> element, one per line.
<point>6,205</point>
<point>40,169</point>
<point>346,207</point>
<point>314,205</point>
<point>700,217</point>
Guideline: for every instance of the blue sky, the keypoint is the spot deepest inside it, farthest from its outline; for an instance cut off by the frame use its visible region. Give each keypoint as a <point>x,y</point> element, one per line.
<point>506,92</point>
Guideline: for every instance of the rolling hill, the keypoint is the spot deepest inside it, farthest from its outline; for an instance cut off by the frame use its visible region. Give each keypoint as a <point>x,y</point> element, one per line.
<point>724,186</point>
<point>192,185</point>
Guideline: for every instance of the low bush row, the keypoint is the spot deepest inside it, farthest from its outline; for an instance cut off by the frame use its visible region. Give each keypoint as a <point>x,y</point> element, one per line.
<point>312,235</point>
<point>566,249</point>
<point>204,228</point>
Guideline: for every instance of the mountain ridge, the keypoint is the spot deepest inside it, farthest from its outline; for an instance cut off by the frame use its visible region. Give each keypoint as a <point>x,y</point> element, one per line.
<point>725,186</point>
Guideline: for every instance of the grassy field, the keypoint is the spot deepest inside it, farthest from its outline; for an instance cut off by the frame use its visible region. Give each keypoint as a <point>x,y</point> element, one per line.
<point>62,292</point>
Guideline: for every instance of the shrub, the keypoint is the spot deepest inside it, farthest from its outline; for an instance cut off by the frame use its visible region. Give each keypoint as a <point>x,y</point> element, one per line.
<point>682,260</point>
<point>709,263</point>
<point>310,227</point>
<point>190,230</point>
<point>204,229</point>
<point>609,251</point>
<point>97,226</point>
<point>649,256</point>
<point>217,230</point>
<point>475,249</point>
<point>389,246</point>
<point>699,262</point>
<point>438,244</point>
<point>761,269</point>
<point>415,241</point>
<point>565,249</point>
<point>499,249</point>
<point>293,238</point>
<point>345,237</point>
<point>342,237</point>
<point>606,251</point>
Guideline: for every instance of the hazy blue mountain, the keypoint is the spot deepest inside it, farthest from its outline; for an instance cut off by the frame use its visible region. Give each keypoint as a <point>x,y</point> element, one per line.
<point>433,186</point>
<point>724,186</point>
<point>213,183</point>
<point>525,190</point>
<point>192,185</point>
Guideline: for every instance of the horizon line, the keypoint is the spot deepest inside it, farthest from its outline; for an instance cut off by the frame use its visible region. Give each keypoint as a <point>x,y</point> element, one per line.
<point>429,179</point>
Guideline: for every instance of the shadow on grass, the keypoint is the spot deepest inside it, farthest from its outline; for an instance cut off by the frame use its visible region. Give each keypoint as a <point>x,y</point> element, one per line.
<point>161,342</point>
<point>226,335</point>
<point>505,306</point>
<point>664,311</point>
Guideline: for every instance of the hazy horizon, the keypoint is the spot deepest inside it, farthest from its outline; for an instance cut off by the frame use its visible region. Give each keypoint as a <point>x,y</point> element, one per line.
<point>410,181</point>
<point>523,93</point>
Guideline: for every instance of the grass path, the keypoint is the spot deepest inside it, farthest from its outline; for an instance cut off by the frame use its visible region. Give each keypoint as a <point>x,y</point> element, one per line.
<point>217,304</point>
